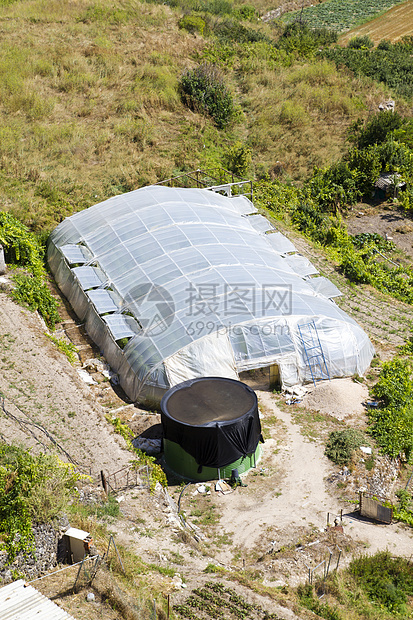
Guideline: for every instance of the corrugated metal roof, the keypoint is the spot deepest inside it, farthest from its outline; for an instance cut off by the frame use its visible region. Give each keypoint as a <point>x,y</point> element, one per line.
<point>20,602</point>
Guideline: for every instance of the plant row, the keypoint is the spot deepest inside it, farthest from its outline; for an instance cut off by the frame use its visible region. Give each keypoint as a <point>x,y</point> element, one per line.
<point>215,600</point>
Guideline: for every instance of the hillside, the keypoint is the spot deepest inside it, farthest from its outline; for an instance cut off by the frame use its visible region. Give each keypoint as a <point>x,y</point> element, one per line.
<point>90,104</point>
<point>99,98</point>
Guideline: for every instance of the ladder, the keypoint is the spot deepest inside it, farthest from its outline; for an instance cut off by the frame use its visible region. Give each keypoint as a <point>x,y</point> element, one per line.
<point>313,351</point>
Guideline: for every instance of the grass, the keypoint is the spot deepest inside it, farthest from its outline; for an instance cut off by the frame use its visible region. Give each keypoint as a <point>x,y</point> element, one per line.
<point>90,106</point>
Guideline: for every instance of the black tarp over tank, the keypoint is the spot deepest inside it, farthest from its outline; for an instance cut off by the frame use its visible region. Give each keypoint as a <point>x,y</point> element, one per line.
<point>213,419</point>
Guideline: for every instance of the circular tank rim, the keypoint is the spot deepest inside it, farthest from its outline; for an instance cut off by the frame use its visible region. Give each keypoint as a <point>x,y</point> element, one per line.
<point>189,383</point>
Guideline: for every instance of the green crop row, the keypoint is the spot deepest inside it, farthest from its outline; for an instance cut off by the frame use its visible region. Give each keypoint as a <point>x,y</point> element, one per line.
<point>339,15</point>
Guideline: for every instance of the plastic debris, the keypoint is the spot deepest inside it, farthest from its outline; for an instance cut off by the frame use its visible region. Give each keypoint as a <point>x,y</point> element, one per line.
<point>85,376</point>
<point>150,446</point>
<point>366,449</point>
<point>223,487</point>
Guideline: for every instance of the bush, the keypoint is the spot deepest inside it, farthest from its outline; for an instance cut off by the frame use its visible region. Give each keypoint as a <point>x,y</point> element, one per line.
<point>33,293</point>
<point>310,220</point>
<point>238,159</point>
<point>309,600</point>
<point>32,489</point>
<point>341,445</point>
<point>334,187</point>
<point>231,31</point>
<point>384,44</point>
<point>386,580</point>
<point>246,11</point>
<point>360,43</point>
<point>375,130</point>
<point>192,24</point>
<point>203,90</point>
<point>22,248</point>
<point>302,40</point>
<point>392,425</point>
<point>395,385</point>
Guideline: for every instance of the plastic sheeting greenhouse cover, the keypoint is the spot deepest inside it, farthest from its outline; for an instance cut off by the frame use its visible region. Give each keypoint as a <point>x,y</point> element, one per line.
<point>205,284</point>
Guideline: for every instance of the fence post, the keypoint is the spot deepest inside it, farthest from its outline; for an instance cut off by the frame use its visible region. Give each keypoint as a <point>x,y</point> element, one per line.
<point>104,481</point>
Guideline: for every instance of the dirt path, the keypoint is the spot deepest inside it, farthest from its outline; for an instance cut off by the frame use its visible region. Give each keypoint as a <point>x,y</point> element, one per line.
<point>301,497</point>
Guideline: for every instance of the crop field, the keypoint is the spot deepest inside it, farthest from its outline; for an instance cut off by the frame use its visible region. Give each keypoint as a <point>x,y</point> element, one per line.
<point>215,600</point>
<point>393,25</point>
<point>342,16</point>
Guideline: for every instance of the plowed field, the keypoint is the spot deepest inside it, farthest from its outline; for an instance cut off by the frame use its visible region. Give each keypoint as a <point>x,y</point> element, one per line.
<point>392,25</point>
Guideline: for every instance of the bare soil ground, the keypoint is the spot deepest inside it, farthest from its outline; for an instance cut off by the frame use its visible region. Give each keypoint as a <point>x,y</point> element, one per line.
<point>392,25</point>
<point>277,525</point>
<point>46,405</point>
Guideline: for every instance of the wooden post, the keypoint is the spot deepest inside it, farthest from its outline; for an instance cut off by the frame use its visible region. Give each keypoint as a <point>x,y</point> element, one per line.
<point>169,598</point>
<point>104,481</point>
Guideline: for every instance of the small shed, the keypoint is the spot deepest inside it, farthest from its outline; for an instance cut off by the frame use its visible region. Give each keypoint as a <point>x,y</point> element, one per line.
<point>76,543</point>
<point>388,185</point>
<point>19,601</point>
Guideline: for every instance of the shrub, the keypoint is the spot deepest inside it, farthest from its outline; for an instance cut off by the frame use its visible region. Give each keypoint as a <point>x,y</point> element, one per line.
<point>302,40</point>
<point>246,11</point>
<point>341,445</point>
<point>238,159</point>
<point>231,31</point>
<point>203,90</point>
<point>22,248</point>
<point>395,385</point>
<point>309,600</point>
<point>32,489</point>
<point>392,425</point>
<point>192,24</point>
<point>33,293</point>
<point>375,130</point>
<point>360,43</point>
<point>386,580</point>
<point>309,219</point>
<point>384,44</point>
<point>334,187</point>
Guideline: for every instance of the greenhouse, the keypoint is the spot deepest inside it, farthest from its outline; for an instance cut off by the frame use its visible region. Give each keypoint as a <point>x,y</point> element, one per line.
<point>174,284</point>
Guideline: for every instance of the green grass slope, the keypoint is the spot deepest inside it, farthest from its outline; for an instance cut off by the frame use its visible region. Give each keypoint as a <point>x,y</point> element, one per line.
<point>90,103</point>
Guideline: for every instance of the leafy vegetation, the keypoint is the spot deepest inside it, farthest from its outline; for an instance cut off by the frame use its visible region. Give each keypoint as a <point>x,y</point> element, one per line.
<point>68,348</point>
<point>386,580</point>
<point>392,424</point>
<point>33,489</point>
<point>203,89</point>
<point>342,16</point>
<point>33,292</point>
<point>156,473</point>
<point>214,600</point>
<point>391,64</point>
<point>309,600</point>
<point>22,248</point>
<point>341,445</point>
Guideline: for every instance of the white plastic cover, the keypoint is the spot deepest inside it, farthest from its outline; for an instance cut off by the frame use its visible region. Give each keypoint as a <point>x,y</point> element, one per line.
<point>170,268</point>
